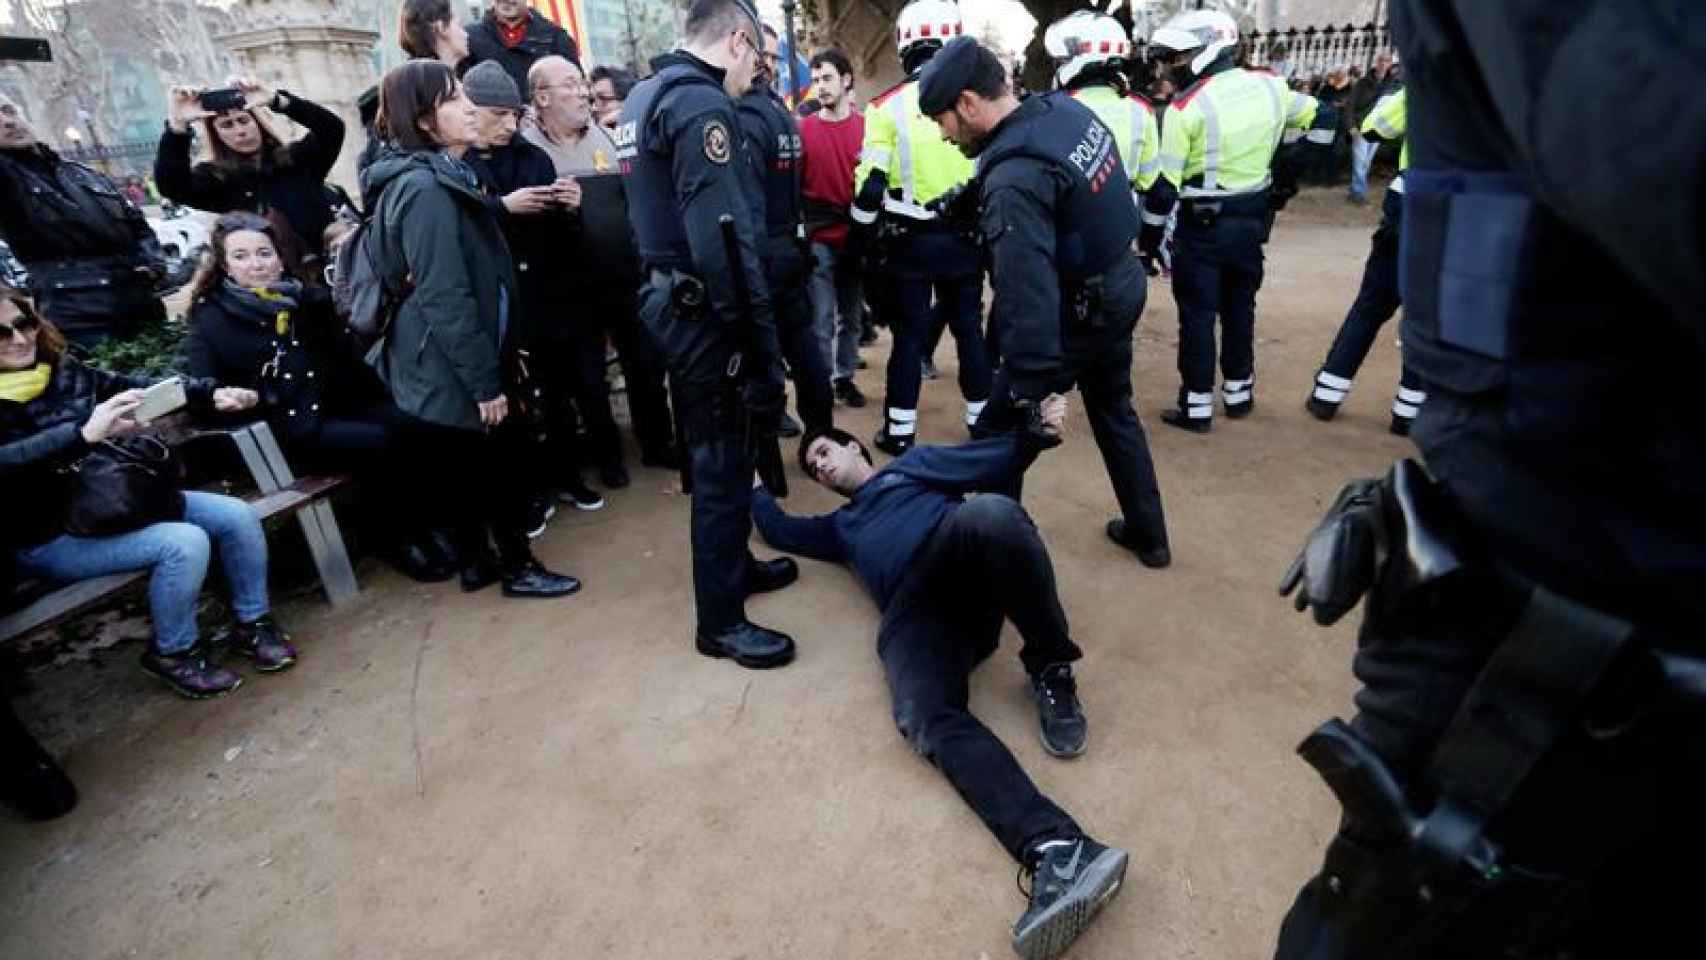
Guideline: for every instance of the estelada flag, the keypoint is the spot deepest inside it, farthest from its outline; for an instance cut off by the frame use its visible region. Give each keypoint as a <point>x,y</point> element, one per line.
<point>571,16</point>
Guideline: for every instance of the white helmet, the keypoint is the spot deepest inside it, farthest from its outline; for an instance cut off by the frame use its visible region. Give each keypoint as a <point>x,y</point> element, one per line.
<point>927,21</point>
<point>1082,39</point>
<point>1208,31</point>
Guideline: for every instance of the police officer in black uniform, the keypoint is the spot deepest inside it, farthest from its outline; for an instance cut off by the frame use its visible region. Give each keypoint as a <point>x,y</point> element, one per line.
<point>1054,194</point>
<point>1522,778</point>
<point>684,162</point>
<point>774,149</point>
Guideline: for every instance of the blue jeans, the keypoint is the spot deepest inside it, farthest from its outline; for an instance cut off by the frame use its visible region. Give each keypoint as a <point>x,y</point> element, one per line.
<point>835,296</point>
<point>177,553</point>
<point>1362,157</point>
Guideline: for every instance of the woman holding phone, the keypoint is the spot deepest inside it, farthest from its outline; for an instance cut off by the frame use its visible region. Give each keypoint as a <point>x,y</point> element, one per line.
<point>442,355</point>
<point>53,410</point>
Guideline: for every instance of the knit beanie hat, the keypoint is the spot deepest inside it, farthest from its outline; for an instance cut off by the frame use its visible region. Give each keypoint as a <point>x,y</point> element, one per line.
<point>489,85</point>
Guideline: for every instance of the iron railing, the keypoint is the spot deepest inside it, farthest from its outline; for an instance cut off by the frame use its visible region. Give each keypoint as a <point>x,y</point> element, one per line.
<point>1317,50</point>
<point>132,150</point>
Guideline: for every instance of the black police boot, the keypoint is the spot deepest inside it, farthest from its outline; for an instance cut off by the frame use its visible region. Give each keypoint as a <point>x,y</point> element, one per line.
<point>1177,417</point>
<point>891,445</point>
<point>763,576</point>
<point>1321,409</point>
<point>749,645</point>
<point>1060,717</point>
<point>530,579</point>
<point>1150,555</point>
<point>1329,392</point>
<point>848,393</point>
<point>1239,397</point>
<point>1400,426</point>
<point>1071,880</point>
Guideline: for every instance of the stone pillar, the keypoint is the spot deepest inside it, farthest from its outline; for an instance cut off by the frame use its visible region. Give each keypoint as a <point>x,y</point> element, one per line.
<point>314,49</point>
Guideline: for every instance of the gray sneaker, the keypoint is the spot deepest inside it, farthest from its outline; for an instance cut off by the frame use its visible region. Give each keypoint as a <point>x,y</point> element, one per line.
<point>1071,880</point>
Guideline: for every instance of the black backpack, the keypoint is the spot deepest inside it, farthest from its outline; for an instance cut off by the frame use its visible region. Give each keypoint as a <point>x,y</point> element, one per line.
<point>360,291</point>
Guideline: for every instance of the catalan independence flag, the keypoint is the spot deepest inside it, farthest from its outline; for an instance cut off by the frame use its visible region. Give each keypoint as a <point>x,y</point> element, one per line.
<point>571,16</point>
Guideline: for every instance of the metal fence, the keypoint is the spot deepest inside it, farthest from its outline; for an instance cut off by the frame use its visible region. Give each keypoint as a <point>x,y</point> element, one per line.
<point>112,151</point>
<point>1313,50</point>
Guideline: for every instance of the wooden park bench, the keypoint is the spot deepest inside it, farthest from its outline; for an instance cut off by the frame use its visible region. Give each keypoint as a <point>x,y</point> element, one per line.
<point>278,493</point>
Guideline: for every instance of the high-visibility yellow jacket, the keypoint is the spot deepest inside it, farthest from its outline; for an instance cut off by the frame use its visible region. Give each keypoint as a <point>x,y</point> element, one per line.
<point>1219,135</point>
<point>1389,120</point>
<point>908,148</point>
<point>1132,120</point>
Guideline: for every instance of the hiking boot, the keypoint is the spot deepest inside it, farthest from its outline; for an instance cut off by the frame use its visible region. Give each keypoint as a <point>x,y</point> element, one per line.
<point>891,445</point>
<point>531,579</point>
<point>264,643</point>
<point>1071,880</point>
<point>1153,557</point>
<point>1060,717</point>
<point>539,514</point>
<point>576,493</point>
<point>763,576</point>
<point>749,645</point>
<point>848,393</point>
<point>190,674</point>
<point>613,475</point>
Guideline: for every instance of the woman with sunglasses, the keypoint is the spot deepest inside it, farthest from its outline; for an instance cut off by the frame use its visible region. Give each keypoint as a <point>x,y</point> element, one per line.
<point>53,409</point>
<point>254,325</point>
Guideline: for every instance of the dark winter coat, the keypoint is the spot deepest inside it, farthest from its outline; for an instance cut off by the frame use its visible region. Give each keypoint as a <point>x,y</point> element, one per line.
<point>44,434</point>
<point>543,39</point>
<point>319,374</point>
<point>294,187</point>
<point>91,256</point>
<point>536,241</point>
<point>437,239</point>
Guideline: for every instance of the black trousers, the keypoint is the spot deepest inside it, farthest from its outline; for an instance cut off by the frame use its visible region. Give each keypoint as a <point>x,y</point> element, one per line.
<point>642,370</point>
<point>697,353</point>
<point>372,444</point>
<point>1216,273</point>
<point>1097,359</point>
<point>1376,301</point>
<point>984,563</point>
<point>945,265</point>
<point>570,370</point>
<point>788,271</point>
<point>1614,822</point>
<point>480,483</point>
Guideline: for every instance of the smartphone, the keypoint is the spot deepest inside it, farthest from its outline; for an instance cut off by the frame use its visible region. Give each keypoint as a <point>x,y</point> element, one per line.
<point>164,397</point>
<point>227,98</point>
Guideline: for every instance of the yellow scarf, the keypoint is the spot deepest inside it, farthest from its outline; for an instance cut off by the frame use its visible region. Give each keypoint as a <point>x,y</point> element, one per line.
<point>281,323</point>
<point>22,386</point>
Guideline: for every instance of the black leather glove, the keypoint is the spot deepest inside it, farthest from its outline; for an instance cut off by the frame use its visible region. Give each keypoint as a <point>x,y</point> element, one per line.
<point>1031,432</point>
<point>960,206</point>
<point>1344,555</point>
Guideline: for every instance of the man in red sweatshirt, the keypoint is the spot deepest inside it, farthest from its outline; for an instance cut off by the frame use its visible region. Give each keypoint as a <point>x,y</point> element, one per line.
<point>830,141</point>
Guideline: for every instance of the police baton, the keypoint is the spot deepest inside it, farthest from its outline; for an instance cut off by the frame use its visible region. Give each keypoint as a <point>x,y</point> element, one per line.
<point>765,448</point>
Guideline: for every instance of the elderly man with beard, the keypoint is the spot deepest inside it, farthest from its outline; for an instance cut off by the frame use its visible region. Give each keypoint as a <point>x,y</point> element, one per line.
<point>599,267</point>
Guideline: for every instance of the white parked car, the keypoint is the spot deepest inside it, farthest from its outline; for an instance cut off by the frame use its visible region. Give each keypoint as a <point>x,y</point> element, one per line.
<point>183,234</point>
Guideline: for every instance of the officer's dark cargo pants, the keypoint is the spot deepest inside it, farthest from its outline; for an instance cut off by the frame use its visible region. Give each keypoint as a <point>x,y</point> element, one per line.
<point>1097,358</point>
<point>1216,272</point>
<point>697,351</point>
<point>1377,299</point>
<point>788,270</point>
<point>942,623</point>
<point>947,265</point>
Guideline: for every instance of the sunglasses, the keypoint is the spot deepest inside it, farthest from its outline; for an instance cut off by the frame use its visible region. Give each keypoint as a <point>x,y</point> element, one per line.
<point>22,327</point>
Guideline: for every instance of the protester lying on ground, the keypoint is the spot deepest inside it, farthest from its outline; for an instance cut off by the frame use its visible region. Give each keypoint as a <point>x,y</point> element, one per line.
<point>252,325</point>
<point>442,355</point>
<point>247,165</point>
<point>92,259</point>
<point>54,412</point>
<point>946,571</point>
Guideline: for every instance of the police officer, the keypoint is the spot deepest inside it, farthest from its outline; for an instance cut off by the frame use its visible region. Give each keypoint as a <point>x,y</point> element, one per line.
<point>1377,300</point>
<point>905,164</point>
<point>684,162</point>
<point>1217,148</point>
<point>1068,289</point>
<point>1525,775</point>
<point>774,150</point>
<point>1091,52</point>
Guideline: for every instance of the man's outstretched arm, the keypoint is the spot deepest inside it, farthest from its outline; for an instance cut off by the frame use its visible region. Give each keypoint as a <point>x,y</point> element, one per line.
<point>983,465</point>
<point>811,537</point>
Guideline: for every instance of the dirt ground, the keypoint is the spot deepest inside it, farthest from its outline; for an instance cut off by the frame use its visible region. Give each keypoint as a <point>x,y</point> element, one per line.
<point>446,776</point>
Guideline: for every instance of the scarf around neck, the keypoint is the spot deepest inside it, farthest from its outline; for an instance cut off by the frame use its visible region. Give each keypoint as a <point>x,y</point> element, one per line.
<point>268,305</point>
<point>22,386</point>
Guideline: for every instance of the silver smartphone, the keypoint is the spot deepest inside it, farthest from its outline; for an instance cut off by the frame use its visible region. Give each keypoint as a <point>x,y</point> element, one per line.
<point>164,397</point>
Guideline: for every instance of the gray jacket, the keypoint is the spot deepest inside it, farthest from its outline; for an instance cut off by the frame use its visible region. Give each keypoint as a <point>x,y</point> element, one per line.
<point>438,242</point>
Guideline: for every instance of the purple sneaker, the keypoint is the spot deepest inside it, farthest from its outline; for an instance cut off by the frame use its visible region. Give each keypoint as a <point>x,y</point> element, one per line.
<point>263,642</point>
<point>190,674</point>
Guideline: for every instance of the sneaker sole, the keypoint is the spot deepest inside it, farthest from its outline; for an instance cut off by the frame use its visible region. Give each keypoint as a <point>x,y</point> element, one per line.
<point>587,507</point>
<point>188,694</point>
<point>1058,926</point>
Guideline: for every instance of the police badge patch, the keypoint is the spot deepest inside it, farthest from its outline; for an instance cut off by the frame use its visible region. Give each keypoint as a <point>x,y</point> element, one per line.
<point>716,142</point>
